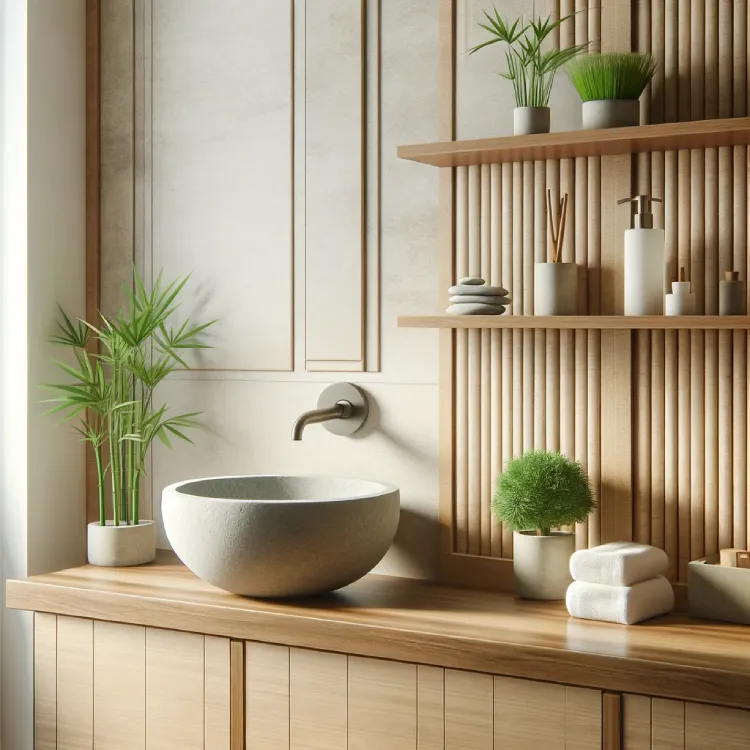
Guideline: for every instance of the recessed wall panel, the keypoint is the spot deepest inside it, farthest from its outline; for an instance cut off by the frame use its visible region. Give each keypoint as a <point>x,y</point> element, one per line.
<point>222,171</point>
<point>334,183</point>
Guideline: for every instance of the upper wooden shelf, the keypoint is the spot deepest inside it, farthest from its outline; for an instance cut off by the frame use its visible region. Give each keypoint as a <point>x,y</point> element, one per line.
<point>601,322</point>
<point>664,137</point>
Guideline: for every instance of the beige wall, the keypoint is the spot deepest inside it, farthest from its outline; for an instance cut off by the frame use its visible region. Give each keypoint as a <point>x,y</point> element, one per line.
<point>197,176</point>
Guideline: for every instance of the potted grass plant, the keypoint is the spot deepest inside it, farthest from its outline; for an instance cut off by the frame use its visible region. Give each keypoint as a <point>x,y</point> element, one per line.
<point>119,362</point>
<point>610,85</point>
<point>538,493</point>
<point>532,65</point>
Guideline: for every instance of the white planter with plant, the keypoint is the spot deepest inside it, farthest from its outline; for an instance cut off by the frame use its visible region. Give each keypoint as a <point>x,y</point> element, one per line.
<point>119,363</point>
<point>532,65</point>
<point>538,492</point>
<point>610,85</point>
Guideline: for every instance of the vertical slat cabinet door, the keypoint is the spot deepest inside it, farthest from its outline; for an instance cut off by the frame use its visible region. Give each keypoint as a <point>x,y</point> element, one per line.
<point>75,683</point>
<point>217,701</point>
<point>382,704</point>
<point>667,724</point>
<point>266,697</point>
<point>119,686</point>
<point>45,681</point>
<point>716,728</point>
<point>468,711</point>
<point>317,700</point>
<point>636,722</point>
<point>583,719</point>
<point>175,666</point>
<point>529,715</point>
<point>430,708</point>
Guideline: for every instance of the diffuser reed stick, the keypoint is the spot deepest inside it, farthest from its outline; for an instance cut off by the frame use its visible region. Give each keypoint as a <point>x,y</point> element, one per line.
<point>557,225</point>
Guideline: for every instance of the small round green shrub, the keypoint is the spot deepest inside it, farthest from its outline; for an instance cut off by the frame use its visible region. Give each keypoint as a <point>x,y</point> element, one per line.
<point>539,490</point>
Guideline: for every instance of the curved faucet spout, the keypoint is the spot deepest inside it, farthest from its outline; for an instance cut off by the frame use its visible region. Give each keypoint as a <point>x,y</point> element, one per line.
<point>341,410</point>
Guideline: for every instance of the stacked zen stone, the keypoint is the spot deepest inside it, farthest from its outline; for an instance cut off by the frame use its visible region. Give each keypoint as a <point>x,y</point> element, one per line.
<point>472,296</point>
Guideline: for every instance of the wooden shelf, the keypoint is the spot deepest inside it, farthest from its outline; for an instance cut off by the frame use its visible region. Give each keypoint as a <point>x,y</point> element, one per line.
<point>599,322</point>
<point>574,143</point>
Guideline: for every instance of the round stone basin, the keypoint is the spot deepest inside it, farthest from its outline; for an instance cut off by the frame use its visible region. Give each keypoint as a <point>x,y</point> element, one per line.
<point>280,536</point>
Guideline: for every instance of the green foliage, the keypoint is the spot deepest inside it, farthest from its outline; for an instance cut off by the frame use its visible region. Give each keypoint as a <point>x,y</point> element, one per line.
<point>111,388</point>
<point>531,69</point>
<point>611,75</point>
<point>540,490</point>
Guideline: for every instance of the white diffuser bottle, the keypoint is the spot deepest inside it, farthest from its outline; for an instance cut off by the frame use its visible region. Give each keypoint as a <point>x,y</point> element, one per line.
<point>644,261</point>
<point>682,300</point>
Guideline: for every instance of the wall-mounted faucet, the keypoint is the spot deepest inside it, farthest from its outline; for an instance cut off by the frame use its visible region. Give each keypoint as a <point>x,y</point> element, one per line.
<point>342,410</point>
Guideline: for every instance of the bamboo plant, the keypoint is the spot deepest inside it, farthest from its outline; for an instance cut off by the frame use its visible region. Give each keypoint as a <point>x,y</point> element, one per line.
<point>532,63</point>
<point>119,362</point>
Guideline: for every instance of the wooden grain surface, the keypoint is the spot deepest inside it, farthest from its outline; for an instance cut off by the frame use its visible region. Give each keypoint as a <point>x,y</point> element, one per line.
<point>413,621</point>
<point>578,143</point>
<point>584,322</point>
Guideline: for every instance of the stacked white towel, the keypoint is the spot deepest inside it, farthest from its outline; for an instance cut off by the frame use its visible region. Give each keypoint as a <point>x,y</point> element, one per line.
<point>619,582</point>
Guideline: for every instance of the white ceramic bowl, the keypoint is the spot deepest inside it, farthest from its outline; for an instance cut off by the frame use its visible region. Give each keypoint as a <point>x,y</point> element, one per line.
<point>280,536</point>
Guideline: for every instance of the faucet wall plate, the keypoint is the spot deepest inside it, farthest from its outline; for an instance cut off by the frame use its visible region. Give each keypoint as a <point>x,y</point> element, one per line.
<point>332,395</point>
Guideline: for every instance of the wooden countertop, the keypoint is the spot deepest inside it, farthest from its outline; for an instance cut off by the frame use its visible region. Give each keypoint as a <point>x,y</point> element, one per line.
<point>416,621</point>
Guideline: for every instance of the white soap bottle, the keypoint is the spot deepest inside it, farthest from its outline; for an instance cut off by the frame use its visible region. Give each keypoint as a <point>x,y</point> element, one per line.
<point>644,261</point>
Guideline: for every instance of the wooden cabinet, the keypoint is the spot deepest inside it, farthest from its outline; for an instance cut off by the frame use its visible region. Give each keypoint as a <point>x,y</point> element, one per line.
<point>109,686</point>
<point>125,687</point>
<point>659,724</point>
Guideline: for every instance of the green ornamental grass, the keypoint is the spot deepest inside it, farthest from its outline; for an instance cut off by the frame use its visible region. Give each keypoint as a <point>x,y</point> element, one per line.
<point>531,69</point>
<point>119,362</point>
<point>611,75</point>
<point>540,490</point>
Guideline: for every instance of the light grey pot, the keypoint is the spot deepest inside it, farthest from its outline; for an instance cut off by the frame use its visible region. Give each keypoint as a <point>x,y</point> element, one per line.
<point>555,288</point>
<point>611,113</point>
<point>121,546</point>
<point>541,564</point>
<point>530,120</point>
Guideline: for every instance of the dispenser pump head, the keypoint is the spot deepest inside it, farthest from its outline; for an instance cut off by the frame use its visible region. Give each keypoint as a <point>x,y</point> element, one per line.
<point>644,217</point>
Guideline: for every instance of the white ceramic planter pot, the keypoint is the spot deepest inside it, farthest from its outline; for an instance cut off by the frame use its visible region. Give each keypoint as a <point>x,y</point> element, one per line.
<point>530,120</point>
<point>611,113</point>
<point>121,546</point>
<point>555,288</point>
<point>541,564</point>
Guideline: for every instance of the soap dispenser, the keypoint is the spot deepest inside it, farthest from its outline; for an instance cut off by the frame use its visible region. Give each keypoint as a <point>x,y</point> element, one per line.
<point>644,260</point>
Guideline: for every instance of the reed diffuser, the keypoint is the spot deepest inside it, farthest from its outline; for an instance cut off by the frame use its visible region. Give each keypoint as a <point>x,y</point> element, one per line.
<point>555,282</point>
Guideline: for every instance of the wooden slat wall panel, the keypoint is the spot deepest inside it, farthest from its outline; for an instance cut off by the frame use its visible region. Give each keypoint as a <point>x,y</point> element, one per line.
<point>672,470</point>
<point>690,447</point>
<point>119,704</point>
<point>75,684</point>
<point>518,390</point>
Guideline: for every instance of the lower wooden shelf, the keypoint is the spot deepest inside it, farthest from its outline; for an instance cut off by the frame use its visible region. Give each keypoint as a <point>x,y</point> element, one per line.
<point>597,322</point>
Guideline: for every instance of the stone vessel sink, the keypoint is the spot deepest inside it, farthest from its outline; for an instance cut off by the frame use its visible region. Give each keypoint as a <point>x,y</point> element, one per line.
<point>280,536</point>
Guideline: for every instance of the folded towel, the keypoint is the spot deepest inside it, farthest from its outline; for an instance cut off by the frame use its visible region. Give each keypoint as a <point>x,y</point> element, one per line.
<point>618,563</point>
<point>624,604</point>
